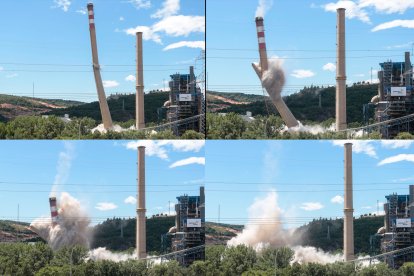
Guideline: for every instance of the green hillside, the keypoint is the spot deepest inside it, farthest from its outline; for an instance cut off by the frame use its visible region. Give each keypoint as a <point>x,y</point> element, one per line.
<point>122,108</point>
<point>316,234</point>
<point>304,104</point>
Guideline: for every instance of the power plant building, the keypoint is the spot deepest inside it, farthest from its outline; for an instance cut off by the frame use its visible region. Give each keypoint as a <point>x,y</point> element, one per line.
<point>185,101</point>
<point>395,97</point>
<point>189,229</point>
<point>398,231</point>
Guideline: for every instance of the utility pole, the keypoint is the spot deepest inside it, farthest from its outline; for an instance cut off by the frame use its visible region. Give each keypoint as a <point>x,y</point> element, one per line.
<point>169,205</point>
<point>371,75</point>
<point>219,213</point>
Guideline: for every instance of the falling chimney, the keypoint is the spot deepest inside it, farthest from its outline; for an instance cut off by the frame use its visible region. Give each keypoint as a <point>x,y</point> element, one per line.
<point>262,43</point>
<point>276,97</point>
<point>139,98</point>
<point>103,104</point>
<point>340,71</point>
<point>348,206</point>
<point>141,238</point>
<point>53,210</point>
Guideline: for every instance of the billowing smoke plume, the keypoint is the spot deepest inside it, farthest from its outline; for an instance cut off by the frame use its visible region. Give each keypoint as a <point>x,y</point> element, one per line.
<point>63,167</point>
<point>264,228</point>
<point>101,253</point>
<point>264,6</point>
<point>72,227</point>
<point>273,79</point>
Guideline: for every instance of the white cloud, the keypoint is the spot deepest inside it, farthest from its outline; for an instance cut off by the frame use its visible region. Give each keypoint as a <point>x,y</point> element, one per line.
<point>159,148</point>
<point>405,45</point>
<point>1,68</point>
<point>397,158</point>
<point>121,18</point>
<point>352,10</point>
<point>130,78</point>
<point>184,145</point>
<point>301,74</point>
<point>152,148</point>
<point>396,144</point>
<point>110,83</point>
<point>394,24</point>
<point>366,207</point>
<point>190,44</point>
<point>140,4</point>
<point>311,206</point>
<point>359,75</point>
<point>105,206</point>
<point>169,7</point>
<point>82,11</point>
<point>63,4</point>
<point>13,75</point>
<point>180,25</point>
<point>130,200</point>
<point>189,161</point>
<point>329,67</point>
<point>388,6</point>
<point>147,33</point>
<point>358,146</point>
<point>337,199</point>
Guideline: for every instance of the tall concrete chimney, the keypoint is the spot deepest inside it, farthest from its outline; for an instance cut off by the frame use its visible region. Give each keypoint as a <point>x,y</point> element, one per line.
<point>340,71</point>
<point>262,44</point>
<point>348,206</point>
<point>103,104</point>
<point>141,220</point>
<point>53,210</point>
<point>139,97</point>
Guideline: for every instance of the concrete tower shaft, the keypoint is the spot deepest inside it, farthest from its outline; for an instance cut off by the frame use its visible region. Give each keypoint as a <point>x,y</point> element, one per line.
<point>340,71</point>
<point>139,98</point>
<point>348,206</point>
<point>262,44</point>
<point>53,210</point>
<point>103,104</point>
<point>141,237</point>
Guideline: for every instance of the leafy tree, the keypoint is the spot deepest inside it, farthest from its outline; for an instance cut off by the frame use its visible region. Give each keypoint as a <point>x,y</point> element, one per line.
<point>238,259</point>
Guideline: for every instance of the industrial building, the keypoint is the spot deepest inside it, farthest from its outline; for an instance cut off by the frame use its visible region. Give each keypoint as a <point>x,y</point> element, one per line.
<point>185,101</point>
<point>189,229</point>
<point>395,97</point>
<point>398,232</point>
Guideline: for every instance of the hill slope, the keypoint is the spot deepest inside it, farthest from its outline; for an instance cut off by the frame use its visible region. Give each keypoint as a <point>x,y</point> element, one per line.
<point>13,106</point>
<point>304,104</point>
<point>122,108</point>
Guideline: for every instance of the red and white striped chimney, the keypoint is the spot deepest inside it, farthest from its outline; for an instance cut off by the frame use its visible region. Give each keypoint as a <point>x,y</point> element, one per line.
<point>262,43</point>
<point>91,16</point>
<point>53,210</point>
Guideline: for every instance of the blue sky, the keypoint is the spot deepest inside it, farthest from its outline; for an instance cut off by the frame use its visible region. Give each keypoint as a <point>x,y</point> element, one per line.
<point>238,172</point>
<point>101,174</point>
<point>55,33</point>
<point>303,34</point>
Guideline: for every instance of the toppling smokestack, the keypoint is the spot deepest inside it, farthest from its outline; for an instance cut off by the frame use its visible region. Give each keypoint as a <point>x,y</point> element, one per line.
<point>274,80</point>
<point>141,238</point>
<point>139,98</point>
<point>348,206</point>
<point>103,104</point>
<point>53,210</point>
<point>340,71</point>
<point>262,44</point>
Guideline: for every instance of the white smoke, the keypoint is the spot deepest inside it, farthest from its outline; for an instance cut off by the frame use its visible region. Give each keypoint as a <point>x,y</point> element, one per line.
<point>116,128</point>
<point>313,129</point>
<point>263,7</point>
<point>264,228</point>
<point>101,253</point>
<point>63,167</point>
<point>72,227</point>
<point>309,254</point>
